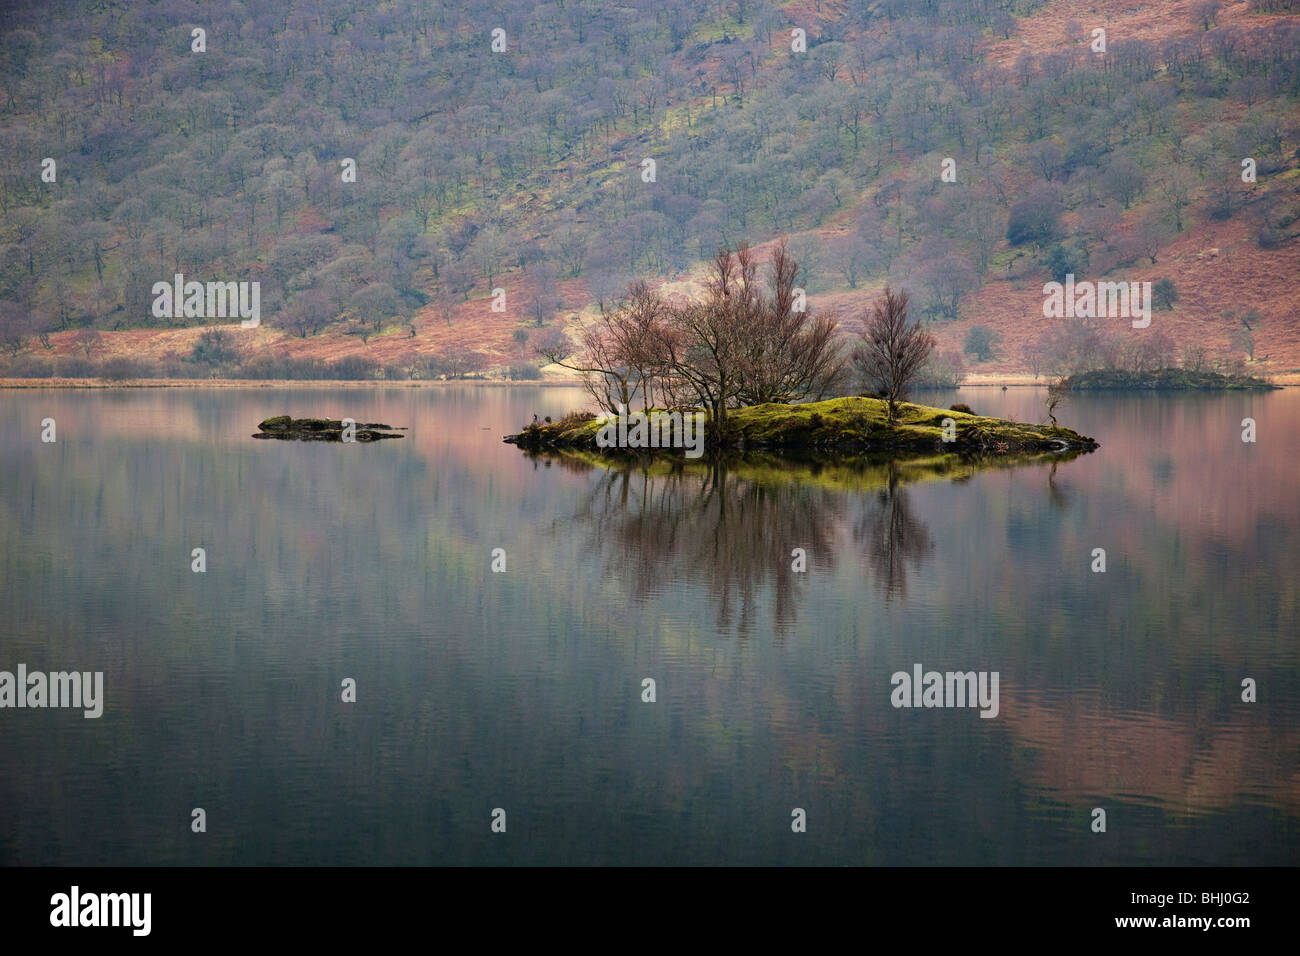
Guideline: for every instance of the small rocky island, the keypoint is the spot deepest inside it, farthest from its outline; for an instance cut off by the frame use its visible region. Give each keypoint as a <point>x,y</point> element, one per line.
<point>322,429</point>
<point>856,425</point>
<point>1162,379</point>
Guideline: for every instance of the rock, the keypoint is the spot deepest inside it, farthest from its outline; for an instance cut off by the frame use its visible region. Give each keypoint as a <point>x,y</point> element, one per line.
<point>322,429</point>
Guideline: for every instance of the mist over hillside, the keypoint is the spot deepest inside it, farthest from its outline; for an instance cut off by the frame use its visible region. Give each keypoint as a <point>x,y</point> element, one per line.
<point>426,189</point>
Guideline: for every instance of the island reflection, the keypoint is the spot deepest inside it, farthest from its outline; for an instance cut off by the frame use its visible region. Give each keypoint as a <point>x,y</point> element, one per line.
<point>734,522</point>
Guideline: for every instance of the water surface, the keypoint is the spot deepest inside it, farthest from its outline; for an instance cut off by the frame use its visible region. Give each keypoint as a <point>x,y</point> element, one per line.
<point>522,690</point>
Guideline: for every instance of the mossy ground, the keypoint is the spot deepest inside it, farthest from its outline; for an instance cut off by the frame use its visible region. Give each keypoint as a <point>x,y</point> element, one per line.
<point>846,425</point>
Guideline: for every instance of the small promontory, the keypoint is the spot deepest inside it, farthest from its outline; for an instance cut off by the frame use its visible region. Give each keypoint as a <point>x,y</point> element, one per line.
<point>1162,379</point>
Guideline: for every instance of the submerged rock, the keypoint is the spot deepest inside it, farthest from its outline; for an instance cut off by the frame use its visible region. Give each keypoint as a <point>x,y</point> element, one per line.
<point>322,429</point>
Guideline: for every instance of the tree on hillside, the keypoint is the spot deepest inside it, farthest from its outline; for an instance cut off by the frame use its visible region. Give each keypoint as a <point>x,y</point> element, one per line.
<point>375,303</point>
<point>943,370</point>
<point>16,326</point>
<point>1123,180</point>
<point>460,362</point>
<point>214,348</point>
<point>1164,294</point>
<point>1243,340</point>
<point>307,313</point>
<point>894,349</point>
<point>1065,259</point>
<point>544,297</point>
<point>853,257</point>
<point>946,281</point>
<point>1035,354</point>
<point>1175,188</point>
<point>553,344</point>
<point>87,340</point>
<point>1035,219</point>
<point>980,340</point>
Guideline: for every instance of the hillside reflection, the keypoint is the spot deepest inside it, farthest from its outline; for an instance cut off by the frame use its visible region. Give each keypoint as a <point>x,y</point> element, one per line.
<point>1121,690</point>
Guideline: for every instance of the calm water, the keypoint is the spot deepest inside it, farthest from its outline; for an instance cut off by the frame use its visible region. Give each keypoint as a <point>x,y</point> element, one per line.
<point>522,690</point>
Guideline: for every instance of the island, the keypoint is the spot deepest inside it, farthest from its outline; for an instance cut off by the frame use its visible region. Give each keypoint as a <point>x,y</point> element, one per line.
<point>854,425</point>
<point>286,428</point>
<point>1161,379</point>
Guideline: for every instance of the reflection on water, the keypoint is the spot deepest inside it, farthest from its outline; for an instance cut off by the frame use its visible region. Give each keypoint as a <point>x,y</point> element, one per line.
<point>892,537</point>
<point>522,690</point>
<point>730,523</point>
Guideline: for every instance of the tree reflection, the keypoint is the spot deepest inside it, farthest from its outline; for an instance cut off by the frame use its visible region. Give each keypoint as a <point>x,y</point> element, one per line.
<point>1057,496</point>
<point>895,539</point>
<point>733,525</point>
<point>732,522</point>
<point>731,532</point>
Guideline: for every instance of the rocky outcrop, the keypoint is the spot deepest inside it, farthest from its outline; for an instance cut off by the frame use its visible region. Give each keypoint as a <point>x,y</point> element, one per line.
<point>322,429</point>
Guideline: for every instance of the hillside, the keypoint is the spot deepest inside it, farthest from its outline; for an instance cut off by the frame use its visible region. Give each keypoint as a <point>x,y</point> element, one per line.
<point>523,170</point>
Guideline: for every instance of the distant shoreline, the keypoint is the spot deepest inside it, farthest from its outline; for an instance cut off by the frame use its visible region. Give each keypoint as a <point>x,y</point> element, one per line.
<point>94,383</point>
<point>984,381</point>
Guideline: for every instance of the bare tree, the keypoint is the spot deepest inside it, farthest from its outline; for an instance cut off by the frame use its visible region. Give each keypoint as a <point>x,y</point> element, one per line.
<point>1034,354</point>
<point>790,356</point>
<point>545,295</point>
<point>16,327</point>
<point>1243,341</point>
<point>703,345</point>
<point>620,355</point>
<point>1056,392</point>
<point>853,258</point>
<point>460,362</point>
<point>894,349</point>
<point>1194,357</point>
<point>87,340</point>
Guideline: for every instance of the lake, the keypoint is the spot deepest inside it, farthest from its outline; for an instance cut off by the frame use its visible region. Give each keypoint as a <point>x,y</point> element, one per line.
<point>523,690</point>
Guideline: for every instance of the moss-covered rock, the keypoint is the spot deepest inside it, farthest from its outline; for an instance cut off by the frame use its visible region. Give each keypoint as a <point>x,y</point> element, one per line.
<point>321,429</point>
